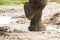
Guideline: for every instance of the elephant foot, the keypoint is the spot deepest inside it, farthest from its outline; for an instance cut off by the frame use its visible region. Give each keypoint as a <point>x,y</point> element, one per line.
<point>36,28</point>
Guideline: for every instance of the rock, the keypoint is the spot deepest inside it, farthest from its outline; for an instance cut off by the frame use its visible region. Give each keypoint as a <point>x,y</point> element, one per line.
<point>51,14</point>
<point>3,30</point>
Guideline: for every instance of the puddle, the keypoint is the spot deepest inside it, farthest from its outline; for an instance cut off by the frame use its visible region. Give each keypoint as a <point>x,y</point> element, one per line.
<point>53,28</point>
<point>6,20</point>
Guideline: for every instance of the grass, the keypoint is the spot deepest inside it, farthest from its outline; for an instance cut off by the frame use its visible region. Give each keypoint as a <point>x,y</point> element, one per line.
<point>12,2</point>
<point>54,0</point>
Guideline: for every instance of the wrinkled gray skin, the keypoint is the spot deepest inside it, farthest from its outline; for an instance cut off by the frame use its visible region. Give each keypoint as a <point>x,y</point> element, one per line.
<point>33,10</point>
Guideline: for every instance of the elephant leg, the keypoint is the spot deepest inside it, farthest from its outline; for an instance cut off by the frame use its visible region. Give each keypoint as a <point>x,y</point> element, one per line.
<point>36,24</point>
<point>28,11</point>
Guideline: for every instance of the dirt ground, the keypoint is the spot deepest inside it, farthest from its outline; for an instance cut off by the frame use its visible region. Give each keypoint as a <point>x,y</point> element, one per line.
<point>18,28</point>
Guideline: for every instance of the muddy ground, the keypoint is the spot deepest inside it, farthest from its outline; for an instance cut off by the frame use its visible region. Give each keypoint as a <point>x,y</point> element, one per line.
<point>18,28</point>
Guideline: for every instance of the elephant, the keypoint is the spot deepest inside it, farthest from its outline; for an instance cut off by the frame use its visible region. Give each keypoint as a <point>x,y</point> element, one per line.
<point>33,11</point>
